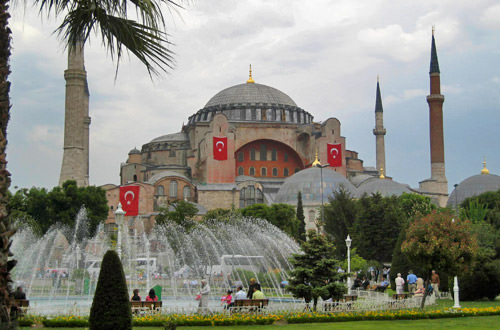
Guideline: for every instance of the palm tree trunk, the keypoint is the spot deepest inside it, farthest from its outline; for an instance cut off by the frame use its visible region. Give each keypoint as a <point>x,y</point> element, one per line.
<point>6,231</point>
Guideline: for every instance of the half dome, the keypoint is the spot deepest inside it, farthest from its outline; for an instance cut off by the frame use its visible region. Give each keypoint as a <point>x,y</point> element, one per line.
<point>308,182</point>
<point>384,187</point>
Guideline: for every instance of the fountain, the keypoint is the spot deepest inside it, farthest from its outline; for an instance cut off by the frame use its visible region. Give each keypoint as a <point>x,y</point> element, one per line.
<point>59,271</point>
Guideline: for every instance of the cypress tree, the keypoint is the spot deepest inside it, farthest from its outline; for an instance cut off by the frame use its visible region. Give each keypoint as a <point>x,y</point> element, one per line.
<point>111,306</point>
<point>301,218</point>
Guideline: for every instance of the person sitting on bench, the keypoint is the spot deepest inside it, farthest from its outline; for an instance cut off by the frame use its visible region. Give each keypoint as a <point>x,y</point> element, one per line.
<point>383,285</point>
<point>257,294</point>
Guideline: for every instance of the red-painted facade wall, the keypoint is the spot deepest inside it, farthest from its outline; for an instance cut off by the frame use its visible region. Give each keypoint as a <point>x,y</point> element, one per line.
<point>286,158</point>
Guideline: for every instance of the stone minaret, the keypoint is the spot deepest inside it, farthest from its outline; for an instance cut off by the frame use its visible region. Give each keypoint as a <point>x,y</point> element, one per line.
<point>379,132</point>
<point>75,164</point>
<point>437,186</point>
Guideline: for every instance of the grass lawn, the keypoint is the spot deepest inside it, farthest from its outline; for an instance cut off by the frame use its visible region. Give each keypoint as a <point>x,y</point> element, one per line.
<point>466,323</point>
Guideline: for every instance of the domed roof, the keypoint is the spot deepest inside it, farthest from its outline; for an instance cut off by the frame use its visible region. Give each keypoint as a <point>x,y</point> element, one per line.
<point>134,151</point>
<point>250,93</point>
<point>473,186</point>
<point>308,182</point>
<point>384,187</point>
<point>181,136</point>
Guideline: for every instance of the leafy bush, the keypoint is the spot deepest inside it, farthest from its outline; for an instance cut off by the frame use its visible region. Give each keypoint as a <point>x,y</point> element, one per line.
<point>111,307</point>
<point>483,281</point>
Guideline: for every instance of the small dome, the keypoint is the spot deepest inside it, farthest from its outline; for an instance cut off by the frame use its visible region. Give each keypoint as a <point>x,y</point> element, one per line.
<point>308,182</point>
<point>250,93</point>
<point>473,186</point>
<point>384,187</point>
<point>134,151</point>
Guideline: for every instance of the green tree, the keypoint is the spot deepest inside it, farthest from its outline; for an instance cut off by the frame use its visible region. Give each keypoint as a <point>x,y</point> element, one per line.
<point>489,200</point>
<point>260,211</point>
<point>60,205</point>
<point>145,37</point>
<point>315,271</point>
<point>340,215</point>
<point>475,211</point>
<point>415,204</point>
<point>438,241</point>
<point>218,214</point>
<point>180,212</point>
<point>111,306</point>
<point>301,218</point>
<point>283,216</point>
<point>377,227</point>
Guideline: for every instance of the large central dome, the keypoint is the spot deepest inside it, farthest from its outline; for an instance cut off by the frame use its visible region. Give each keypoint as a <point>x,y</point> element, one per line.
<point>250,94</point>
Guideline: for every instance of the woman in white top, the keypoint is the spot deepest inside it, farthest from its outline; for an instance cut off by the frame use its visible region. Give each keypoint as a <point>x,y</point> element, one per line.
<point>400,282</point>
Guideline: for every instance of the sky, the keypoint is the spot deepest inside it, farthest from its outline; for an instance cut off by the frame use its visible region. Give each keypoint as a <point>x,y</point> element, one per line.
<point>326,55</point>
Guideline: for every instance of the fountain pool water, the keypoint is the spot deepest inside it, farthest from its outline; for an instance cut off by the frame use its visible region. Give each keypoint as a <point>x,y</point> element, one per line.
<point>59,271</point>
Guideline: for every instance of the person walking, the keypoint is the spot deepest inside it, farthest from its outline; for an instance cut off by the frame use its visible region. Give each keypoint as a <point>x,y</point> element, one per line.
<point>412,281</point>
<point>204,292</point>
<point>400,282</point>
<point>435,282</point>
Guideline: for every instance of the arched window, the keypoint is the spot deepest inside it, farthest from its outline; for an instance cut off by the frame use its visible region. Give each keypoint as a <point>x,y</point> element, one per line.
<point>263,171</point>
<point>173,189</point>
<point>285,172</point>
<point>240,171</point>
<point>250,195</point>
<point>160,191</point>
<point>275,171</point>
<point>252,171</point>
<point>186,192</point>
<point>241,156</point>
<point>285,157</point>
<point>263,152</point>
<point>252,154</point>
<point>274,155</point>
<point>135,177</point>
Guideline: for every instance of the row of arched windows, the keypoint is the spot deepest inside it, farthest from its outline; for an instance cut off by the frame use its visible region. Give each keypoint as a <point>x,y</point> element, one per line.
<point>250,195</point>
<point>263,171</point>
<point>186,192</point>
<point>262,154</point>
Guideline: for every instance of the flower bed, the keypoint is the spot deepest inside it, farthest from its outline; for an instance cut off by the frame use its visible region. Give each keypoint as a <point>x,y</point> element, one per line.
<point>261,319</point>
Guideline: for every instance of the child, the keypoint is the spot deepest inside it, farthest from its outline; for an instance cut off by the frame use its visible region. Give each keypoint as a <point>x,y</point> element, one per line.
<point>226,300</point>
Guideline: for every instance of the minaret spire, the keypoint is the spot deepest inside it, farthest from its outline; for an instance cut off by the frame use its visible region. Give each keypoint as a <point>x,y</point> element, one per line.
<point>437,186</point>
<point>379,131</point>
<point>75,164</point>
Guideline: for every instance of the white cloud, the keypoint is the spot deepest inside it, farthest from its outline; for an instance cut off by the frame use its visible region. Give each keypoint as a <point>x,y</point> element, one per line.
<point>490,17</point>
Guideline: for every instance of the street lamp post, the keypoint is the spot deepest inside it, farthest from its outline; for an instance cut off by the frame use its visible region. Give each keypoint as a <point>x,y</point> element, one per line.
<point>119,214</point>
<point>321,167</point>
<point>456,289</point>
<point>456,198</point>
<point>348,243</point>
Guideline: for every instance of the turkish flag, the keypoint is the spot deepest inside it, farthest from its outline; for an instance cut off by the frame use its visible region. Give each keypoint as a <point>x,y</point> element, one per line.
<point>220,148</point>
<point>334,154</point>
<point>129,198</point>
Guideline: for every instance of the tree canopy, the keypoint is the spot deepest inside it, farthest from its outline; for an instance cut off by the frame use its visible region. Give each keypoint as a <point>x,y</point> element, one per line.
<point>180,212</point>
<point>315,271</point>
<point>42,209</point>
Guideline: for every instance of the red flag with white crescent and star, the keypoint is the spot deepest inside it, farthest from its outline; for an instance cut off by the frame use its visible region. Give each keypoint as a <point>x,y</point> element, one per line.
<point>334,154</point>
<point>129,198</point>
<point>220,148</point>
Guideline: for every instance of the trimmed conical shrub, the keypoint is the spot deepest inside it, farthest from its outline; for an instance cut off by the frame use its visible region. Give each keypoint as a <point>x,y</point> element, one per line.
<point>111,306</point>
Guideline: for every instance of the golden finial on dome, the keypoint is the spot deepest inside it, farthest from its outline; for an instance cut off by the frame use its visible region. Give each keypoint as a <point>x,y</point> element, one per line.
<point>250,79</point>
<point>485,170</point>
<point>382,176</point>
<point>316,161</point>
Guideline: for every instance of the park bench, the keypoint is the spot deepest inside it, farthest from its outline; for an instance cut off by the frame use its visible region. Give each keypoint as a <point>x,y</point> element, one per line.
<point>146,306</point>
<point>249,305</point>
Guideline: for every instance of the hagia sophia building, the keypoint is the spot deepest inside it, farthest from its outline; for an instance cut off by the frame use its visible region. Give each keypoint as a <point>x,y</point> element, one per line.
<point>249,144</point>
